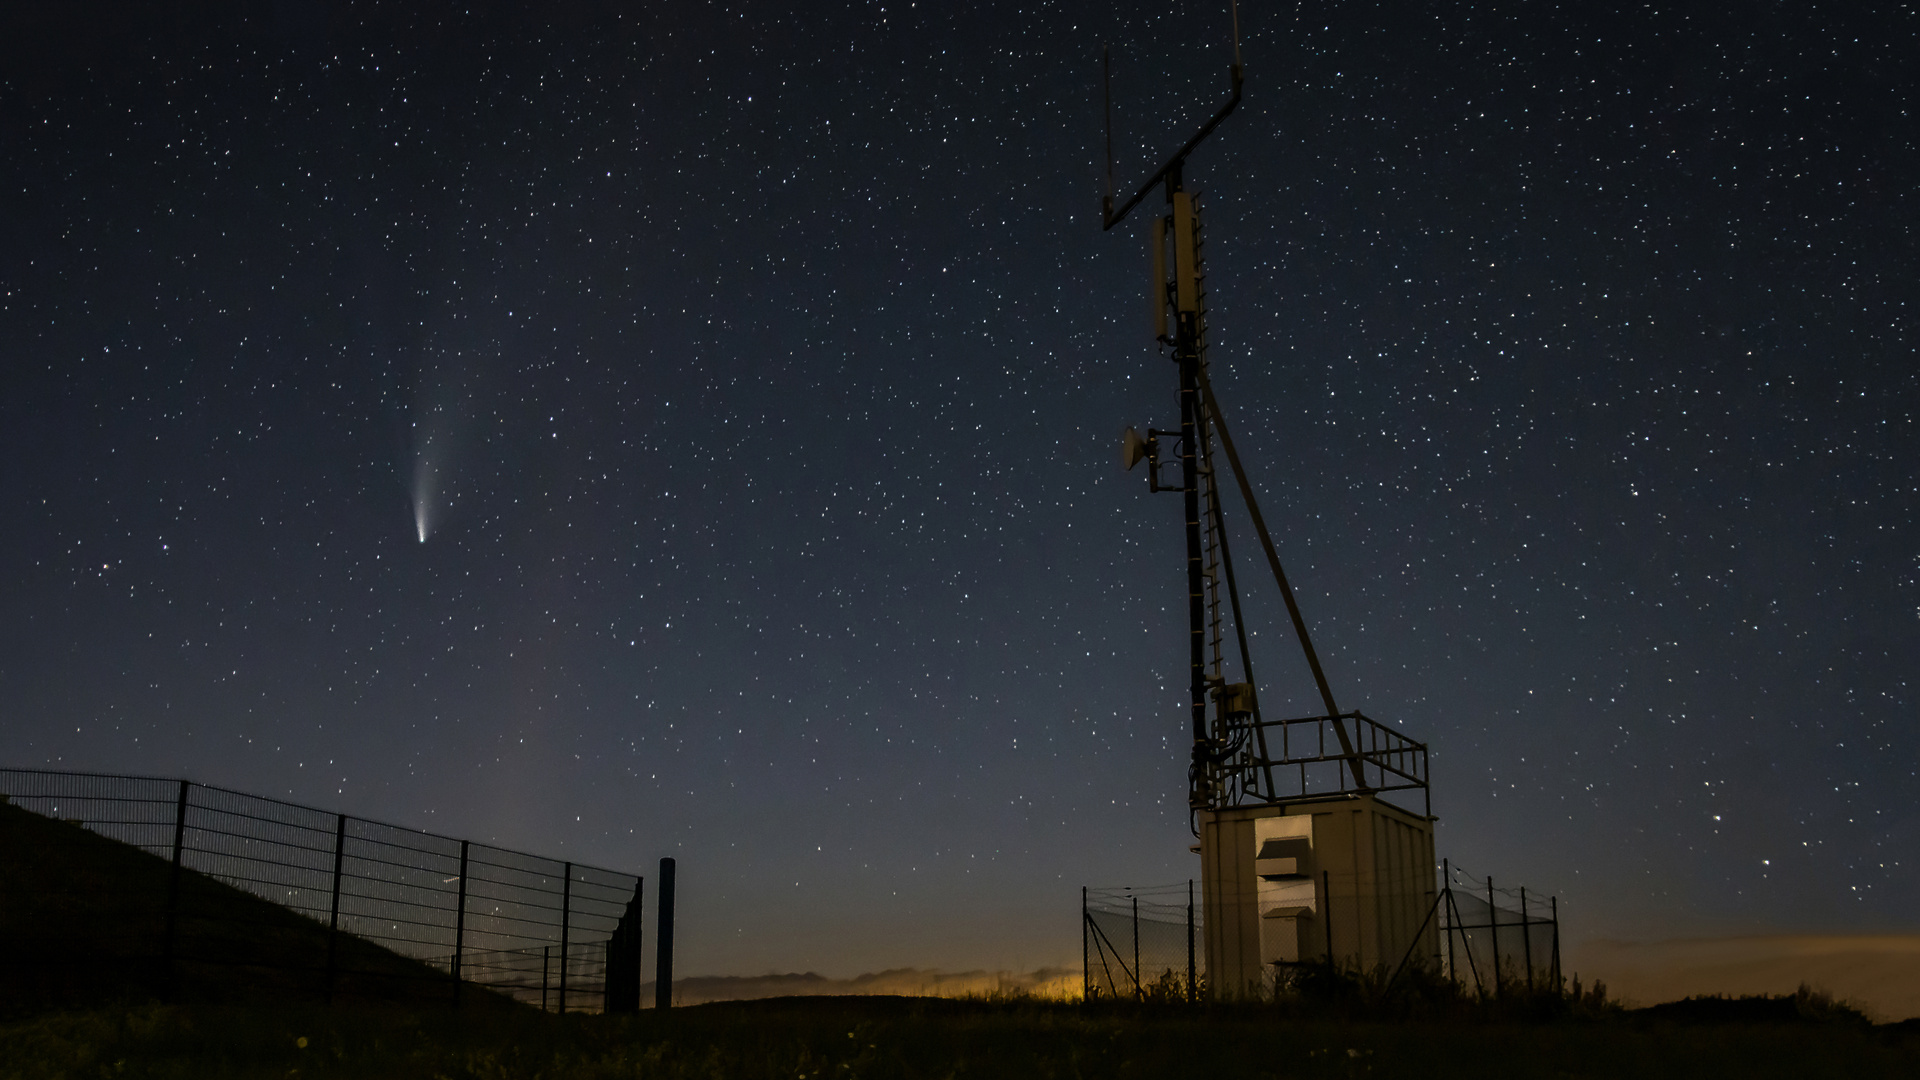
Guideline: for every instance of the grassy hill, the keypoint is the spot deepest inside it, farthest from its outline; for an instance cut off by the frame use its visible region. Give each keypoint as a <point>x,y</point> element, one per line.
<point>83,923</point>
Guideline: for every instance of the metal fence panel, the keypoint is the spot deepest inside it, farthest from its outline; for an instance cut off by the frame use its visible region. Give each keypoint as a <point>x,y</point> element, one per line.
<point>1490,940</point>
<point>1497,939</point>
<point>531,927</point>
<point>1142,943</point>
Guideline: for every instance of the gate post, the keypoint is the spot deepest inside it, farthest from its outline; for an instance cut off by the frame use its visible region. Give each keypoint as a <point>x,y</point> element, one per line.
<point>663,940</point>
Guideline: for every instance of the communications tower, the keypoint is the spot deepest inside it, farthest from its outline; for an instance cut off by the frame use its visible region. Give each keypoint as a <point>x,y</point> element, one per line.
<point>1315,832</point>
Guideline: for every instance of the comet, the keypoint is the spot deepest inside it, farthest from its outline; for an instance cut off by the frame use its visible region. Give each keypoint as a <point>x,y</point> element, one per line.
<point>442,408</point>
<point>426,475</point>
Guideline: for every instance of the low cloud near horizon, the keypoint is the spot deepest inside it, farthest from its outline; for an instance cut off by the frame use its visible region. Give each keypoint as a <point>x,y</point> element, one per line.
<point>905,982</point>
<point>1879,974</point>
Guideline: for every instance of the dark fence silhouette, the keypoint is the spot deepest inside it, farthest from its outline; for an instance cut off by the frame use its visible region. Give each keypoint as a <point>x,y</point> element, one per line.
<point>439,913</point>
<point>1142,943</point>
<point>1147,943</point>
<point>1497,940</point>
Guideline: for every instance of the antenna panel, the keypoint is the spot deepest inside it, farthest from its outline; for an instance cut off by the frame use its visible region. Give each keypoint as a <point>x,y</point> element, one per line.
<point>1133,449</point>
<point>1186,284</point>
<point>1157,295</point>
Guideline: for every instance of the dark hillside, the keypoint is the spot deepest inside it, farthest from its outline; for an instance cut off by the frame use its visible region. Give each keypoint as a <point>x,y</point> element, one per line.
<point>83,922</point>
<point>883,1038</point>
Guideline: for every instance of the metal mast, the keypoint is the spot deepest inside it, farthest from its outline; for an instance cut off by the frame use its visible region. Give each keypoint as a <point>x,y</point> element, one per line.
<point>1188,340</point>
<point>1230,759</point>
<point>1295,837</point>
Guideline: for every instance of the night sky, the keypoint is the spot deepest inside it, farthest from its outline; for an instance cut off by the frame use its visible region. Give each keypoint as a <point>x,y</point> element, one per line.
<point>755,374</point>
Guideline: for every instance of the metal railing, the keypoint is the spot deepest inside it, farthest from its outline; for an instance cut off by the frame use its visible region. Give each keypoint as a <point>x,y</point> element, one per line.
<point>1314,757</point>
<point>443,912</point>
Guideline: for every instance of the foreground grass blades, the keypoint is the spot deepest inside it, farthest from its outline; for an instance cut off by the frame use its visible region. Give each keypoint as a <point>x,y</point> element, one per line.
<point>827,1038</point>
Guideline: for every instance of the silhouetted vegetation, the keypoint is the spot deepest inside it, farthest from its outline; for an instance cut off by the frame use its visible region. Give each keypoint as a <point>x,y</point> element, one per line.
<point>907,1038</point>
<point>1807,1005</point>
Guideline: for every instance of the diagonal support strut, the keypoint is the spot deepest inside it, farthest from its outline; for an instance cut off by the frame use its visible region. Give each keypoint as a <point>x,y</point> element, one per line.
<point>1280,576</point>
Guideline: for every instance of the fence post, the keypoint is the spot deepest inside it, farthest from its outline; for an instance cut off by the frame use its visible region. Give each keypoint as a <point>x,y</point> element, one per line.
<point>1086,959</point>
<point>173,890</point>
<point>460,924</point>
<point>566,918</point>
<point>1326,890</point>
<point>1193,987</point>
<point>333,911</point>
<point>1555,901</point>
<point>1493,931</point>
<point>1526,938</point>
<point>663,940</point>
<point>1139,991</point>
<point>1446,886</point>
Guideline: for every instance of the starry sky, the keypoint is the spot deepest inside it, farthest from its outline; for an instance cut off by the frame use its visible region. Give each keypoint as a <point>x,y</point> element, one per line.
<point>754,376</point>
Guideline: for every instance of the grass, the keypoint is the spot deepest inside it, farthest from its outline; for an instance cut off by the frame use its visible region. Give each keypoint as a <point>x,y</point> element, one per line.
<point>825,1038</point>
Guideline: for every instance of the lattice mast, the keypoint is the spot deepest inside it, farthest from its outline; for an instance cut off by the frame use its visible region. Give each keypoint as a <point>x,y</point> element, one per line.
<point>1231,760</point>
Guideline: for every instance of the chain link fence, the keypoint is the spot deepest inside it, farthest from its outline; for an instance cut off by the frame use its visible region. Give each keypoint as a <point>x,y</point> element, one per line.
<point>1148,943</point>
<point>1497,939</point>
<point>1142,943</point>
<point>173,885</point>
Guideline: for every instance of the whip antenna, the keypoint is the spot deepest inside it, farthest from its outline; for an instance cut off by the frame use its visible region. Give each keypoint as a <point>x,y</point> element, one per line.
<point>1236,34</point>
<point>1106,60</point>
